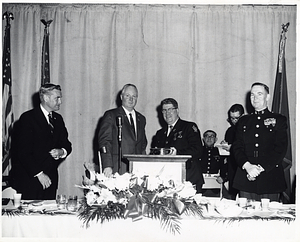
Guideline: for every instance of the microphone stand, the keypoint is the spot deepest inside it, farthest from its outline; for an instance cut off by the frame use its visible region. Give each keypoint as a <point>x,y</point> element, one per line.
<point>119,124</point>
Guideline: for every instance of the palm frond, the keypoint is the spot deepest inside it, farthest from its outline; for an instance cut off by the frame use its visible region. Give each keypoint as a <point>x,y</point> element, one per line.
<point>169,220</point>
<point>193,209</point>
<point>11,212</point>
<point>103,213</point>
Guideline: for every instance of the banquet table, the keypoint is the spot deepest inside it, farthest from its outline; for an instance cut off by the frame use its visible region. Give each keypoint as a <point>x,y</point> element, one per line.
<point>65,226</point>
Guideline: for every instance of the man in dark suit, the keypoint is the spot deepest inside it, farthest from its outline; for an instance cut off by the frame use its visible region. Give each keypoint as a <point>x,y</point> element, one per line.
<point>133,140</point>
<point>259,148</point>
<point>234,113</point>
<point>183,138</point>
<point>41,145</point>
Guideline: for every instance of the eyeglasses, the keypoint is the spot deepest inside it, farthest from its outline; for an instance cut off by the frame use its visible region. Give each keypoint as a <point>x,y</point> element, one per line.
<point>169,110</point>
<point>209,136</point>
<point>235,118</point>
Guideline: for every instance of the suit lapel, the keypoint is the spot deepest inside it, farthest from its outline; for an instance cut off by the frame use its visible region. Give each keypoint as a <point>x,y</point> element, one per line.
<point>42,121</point>
<point>40,117</point>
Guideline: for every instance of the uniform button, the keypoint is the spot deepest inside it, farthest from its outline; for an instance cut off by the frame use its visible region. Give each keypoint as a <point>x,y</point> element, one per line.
<point>256,135</point>
<point>167,142</point>
<point>256,145</point>
<point>276,165</point>
<point>258,117</point>
<point>208,158</point>
<point>257,126</point>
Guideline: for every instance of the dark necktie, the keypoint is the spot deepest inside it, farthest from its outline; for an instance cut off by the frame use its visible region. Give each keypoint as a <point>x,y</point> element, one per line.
<point>51,121</point>
<point>170,129</point>
<point>132,124</point>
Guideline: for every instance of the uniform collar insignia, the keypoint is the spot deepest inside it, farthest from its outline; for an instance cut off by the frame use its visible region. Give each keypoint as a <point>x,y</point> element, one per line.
<point>260,112</point>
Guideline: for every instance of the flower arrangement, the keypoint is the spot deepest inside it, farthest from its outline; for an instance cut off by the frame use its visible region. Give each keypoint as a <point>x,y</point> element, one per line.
<point>136,196</point>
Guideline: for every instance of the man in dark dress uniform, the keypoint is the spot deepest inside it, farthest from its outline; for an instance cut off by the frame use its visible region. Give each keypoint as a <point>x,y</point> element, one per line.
<point>183,138</point>
<point>259,148</point>
<point>212,164</point>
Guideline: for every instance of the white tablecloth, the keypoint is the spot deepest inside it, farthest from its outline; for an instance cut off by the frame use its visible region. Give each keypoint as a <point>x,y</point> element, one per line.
<point>63,227</point>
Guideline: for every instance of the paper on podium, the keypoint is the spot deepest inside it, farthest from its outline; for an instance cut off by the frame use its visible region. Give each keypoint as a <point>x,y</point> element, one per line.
<point>222,150</point>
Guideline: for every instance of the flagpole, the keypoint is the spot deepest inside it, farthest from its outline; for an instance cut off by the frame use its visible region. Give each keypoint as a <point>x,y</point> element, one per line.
<point>280,105</point>
<point>7,114</point>
<point>45,76</point>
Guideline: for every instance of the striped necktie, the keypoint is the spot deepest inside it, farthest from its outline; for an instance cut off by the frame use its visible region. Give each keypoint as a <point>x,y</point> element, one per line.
<point>51,121</point>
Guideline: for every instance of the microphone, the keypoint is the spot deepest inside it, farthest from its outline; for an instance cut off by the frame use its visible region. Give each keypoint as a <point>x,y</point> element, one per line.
<point>119,122</point>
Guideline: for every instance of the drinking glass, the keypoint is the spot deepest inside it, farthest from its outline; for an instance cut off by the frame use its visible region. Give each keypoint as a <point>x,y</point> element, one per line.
<point>72,203</point>
<point>61,201</point>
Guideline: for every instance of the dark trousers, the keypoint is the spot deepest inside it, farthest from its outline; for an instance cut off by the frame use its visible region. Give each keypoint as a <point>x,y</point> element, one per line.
<point>257,197</point>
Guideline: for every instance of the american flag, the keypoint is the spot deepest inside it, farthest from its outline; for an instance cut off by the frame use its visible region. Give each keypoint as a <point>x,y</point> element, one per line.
<point>7,113</point>
<point>280,105</point>
<point>45,54</point>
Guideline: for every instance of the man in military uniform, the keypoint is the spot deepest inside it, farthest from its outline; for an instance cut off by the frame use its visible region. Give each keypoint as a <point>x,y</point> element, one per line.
<point>260,146</point>
<point>183,138</point>
<point>212,164</point>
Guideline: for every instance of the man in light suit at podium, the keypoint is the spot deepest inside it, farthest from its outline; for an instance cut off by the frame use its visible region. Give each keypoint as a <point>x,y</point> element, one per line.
<point>130,123</point>
<point>183,138</point>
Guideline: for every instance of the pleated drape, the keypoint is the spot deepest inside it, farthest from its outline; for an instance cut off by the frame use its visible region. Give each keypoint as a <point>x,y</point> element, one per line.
<point>205,56</point>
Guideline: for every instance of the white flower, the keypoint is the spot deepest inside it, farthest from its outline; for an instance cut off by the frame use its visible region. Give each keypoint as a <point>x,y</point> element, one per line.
<point>95,188</point>
<point>106,196</point>
<point>110,183</point>
<point>123,201</point>
<point>122,182</point>
<point>187,191</point>
<point>101,177</point>
<point>90,198</point>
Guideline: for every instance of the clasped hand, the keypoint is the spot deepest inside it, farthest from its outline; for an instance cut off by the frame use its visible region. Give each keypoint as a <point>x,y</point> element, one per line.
<point>253,171</point>
<point>225,146</point>
<point>56,153</point>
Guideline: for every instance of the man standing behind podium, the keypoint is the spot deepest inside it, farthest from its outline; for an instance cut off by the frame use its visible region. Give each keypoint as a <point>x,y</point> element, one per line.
<point>183,138</point>
<point>133,137</point>
<point>41,145</point>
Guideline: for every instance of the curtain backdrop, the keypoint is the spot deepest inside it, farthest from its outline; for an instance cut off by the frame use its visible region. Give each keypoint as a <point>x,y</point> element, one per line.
<point>204,56</point>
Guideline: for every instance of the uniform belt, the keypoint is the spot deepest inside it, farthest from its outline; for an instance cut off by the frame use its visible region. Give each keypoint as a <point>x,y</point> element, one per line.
<point>255,153</point>
<point>210,175</point>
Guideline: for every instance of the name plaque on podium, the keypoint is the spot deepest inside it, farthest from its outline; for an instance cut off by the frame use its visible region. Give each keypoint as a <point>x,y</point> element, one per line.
<point>168,166</point>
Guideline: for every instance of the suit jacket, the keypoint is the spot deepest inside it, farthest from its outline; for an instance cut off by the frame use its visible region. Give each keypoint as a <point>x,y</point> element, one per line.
<point>108,138</point>
<point>185,137</point>
<point>33,143</point>
<point>261,139</point>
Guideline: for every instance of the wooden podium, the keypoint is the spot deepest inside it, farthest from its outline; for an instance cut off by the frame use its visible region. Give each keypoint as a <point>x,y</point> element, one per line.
<point>170,166</point>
